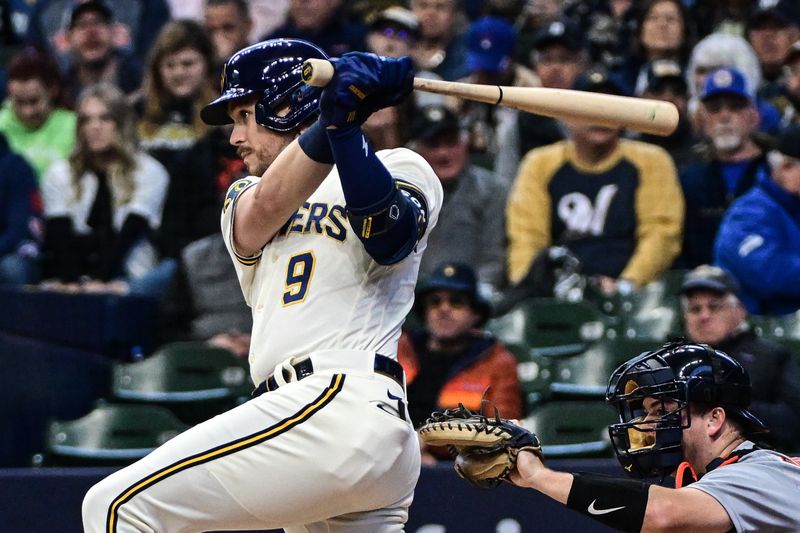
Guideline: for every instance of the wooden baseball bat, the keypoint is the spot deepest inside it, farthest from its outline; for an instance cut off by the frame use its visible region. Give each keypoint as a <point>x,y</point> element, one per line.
<point>641,114</point>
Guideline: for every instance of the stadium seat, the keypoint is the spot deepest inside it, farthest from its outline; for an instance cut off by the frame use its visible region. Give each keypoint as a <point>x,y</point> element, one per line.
<point>572,428</point>
<point>196,381</point>
<point>111,434</point>
<point>545,326</point>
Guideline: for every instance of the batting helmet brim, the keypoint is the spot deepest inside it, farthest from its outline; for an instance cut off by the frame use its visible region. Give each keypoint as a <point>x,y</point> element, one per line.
<point>216,112</point>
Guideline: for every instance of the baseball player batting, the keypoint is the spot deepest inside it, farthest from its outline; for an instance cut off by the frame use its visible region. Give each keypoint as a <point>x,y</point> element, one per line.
<point>326,236</point>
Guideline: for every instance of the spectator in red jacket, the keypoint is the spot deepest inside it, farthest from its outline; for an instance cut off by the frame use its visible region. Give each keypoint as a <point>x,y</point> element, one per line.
<point>451,359</point>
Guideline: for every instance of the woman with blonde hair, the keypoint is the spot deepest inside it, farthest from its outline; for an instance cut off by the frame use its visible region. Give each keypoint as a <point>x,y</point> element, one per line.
<point>179,80</point>
<point>102,204</point>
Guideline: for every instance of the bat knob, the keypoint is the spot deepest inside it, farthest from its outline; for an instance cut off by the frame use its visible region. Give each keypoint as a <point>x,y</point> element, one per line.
<point>317,72</point>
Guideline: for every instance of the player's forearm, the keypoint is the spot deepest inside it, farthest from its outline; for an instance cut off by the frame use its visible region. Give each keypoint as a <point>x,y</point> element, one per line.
<point>286,184</point>
<point>550,483</point>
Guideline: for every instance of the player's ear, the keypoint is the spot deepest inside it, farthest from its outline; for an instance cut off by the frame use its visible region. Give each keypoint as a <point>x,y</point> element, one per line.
<point>714,420</point>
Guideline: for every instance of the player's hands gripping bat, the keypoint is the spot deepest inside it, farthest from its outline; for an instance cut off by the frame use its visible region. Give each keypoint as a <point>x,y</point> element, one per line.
<point>361,84</point>
<point>485,449</point>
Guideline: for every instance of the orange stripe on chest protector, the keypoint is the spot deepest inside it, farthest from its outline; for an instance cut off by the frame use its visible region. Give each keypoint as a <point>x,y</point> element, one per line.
<point>286,424</point>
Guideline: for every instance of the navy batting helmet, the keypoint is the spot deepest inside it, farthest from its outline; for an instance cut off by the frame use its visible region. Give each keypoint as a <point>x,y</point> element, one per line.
<point>272,70</point>
<point>674,375</point>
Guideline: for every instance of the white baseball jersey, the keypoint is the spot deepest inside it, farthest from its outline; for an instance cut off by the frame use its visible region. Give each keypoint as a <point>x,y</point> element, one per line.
<point>314,287</point>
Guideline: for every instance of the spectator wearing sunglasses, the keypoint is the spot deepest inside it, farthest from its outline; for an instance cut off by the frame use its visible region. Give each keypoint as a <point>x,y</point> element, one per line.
<point>451,359</point>
<point>392,32</point>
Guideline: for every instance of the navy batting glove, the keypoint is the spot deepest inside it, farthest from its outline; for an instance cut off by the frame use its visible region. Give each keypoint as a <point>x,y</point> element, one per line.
<point>362,84</point>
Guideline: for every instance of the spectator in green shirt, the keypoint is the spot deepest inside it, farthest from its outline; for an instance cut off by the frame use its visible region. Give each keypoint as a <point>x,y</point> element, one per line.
<point>31,117</point>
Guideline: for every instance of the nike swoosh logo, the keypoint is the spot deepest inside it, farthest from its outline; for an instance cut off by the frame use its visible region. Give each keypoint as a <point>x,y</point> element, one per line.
<point>595,511</point>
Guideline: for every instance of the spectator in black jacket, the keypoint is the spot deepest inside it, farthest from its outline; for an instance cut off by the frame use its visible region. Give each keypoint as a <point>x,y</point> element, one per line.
<point>714,315</point>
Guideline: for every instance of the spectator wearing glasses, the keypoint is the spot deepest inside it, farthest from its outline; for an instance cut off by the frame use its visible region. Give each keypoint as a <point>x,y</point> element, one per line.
<point>451,359</point>
<point>713,314</point>
<point>732,163</point>
<point>791,86</point>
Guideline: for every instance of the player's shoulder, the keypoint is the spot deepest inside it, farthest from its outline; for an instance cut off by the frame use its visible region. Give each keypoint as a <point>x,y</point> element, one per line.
<point>643,150</point>
<point>772,458</point>
<point>237,188</point>
<point>411,170</point>
<point>549,155</point>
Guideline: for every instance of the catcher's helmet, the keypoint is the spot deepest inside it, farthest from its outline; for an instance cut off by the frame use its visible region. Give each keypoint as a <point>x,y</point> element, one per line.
<point>679,373</point>
<point>272,70</point>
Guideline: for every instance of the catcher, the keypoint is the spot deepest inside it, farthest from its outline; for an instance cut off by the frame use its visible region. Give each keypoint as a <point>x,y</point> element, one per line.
<point>682,412</point>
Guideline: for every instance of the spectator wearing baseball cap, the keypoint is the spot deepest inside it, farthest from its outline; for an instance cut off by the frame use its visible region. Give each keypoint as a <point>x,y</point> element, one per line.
<point>713,314</point>
<point>772,28</point>
<point>558,55</point>
<point>759,238</point>
<point>470,229</point>
<point>494,137</point>
<point>720,50</point>
<point>93,56</point>
<point>664,80</point>
<point>451,359</point>
<point>392,32</point>
<point>734,161</point>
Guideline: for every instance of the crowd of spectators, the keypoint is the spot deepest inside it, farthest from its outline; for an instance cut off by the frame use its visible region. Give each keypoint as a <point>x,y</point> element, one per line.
<point>111,183</point>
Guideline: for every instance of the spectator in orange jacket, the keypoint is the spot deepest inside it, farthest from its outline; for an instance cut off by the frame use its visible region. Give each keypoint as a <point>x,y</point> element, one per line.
<point>451,360</point>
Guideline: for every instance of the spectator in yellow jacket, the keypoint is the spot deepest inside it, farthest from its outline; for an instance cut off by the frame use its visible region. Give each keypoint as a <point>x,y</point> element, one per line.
<point>615,203</point>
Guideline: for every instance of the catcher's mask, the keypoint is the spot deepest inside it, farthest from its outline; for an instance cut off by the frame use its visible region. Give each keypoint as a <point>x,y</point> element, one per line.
<point>675,375</point>
<point>272,70</point>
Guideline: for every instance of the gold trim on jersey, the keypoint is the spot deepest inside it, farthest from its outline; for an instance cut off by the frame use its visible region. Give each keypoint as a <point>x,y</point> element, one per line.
<point>330,392</point>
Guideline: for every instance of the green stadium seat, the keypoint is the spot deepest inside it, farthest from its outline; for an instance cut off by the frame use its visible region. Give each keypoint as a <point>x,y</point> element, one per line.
<point>193,379</point>
<point>572,428</point>
<point>111,434</point>
<point>545,326</point>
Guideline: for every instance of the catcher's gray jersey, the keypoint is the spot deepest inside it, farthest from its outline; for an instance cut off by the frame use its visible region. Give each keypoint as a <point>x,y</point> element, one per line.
<point>314,287</point>
<point>760,492</point>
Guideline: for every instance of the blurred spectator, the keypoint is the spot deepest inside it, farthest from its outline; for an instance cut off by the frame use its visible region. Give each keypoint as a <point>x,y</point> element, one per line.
<point>93,57</point>
<point>204,301</point>
<point>136,24</point>
<point>229,25</point>
<point>714,315</point>
<point>791,86</point>
<point>19,207</point>
<point>615,203</point>
<point>559,57</point>
<point>666,81</point>
<point>663,31</point>
<point>721,16</point>
<point>452,360</point>
<point>441,47</point>
<point>178,83</point>
<point>608,25</point>
<point>265,15</point>
<point>771,30</point>
<point>535,16</point>
<point>732,164</point>
<point>392,33</point>
<point>32,118</point>
<point>102,204</point>
<point>323,23</point>
<point>759,238</point>
<point>720,50</point>
<point>494,132</point>
<point>470,227</point>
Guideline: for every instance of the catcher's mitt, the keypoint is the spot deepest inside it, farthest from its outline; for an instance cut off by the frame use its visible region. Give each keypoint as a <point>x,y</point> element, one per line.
<point>485,449</point>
